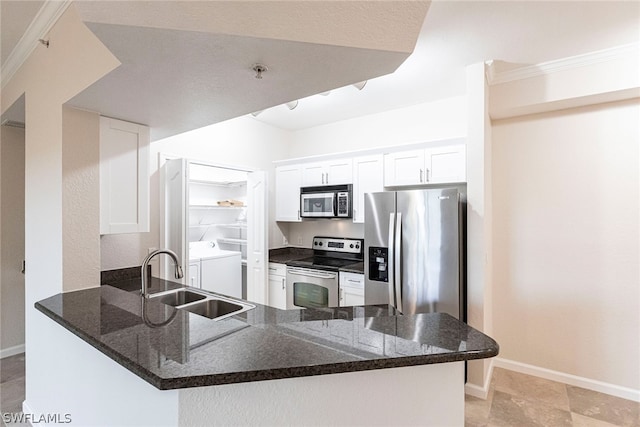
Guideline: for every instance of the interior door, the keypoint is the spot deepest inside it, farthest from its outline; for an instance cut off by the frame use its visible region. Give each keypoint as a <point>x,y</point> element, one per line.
<point>175,215</point>
<point>257,237</point>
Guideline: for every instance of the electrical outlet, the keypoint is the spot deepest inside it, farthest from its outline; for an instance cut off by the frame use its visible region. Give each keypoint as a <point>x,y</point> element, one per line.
<point>300,239</point>
<point>285,242</point>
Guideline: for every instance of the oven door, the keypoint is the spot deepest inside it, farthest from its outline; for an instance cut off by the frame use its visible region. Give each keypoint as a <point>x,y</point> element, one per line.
<point>308,288</point>
<point>317,205</point>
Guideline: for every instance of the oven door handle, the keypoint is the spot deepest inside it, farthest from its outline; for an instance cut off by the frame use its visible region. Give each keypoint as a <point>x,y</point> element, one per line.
<point>307,273</point>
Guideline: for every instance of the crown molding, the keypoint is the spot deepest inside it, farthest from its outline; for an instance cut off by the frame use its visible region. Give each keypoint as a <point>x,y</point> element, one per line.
<point>494,77</point>
<point>44,20</point>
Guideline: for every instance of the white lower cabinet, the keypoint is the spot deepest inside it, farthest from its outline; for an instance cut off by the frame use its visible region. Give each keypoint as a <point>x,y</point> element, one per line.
<point>277,286</point>
<point>351,289</point>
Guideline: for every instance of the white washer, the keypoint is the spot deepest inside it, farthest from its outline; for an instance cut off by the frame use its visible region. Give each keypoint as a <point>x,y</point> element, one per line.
<point>222,273</point>
<point>220,270</point>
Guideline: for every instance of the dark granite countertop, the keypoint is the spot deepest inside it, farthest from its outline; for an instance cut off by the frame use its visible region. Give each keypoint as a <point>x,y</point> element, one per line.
<point>289,253</point>
<point>358,267</point>
<point>262,344</point>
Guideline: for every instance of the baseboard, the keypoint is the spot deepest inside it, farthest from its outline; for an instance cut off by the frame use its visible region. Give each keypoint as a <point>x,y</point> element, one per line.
<point>477,391</point>
<point>11,351</point>
<point>595,385</point>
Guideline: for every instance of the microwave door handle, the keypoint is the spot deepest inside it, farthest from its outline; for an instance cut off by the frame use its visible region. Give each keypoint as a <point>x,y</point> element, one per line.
<point>335,204</point>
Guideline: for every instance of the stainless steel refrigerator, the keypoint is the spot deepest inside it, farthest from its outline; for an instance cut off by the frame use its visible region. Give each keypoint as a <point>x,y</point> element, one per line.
<point>414,250</point>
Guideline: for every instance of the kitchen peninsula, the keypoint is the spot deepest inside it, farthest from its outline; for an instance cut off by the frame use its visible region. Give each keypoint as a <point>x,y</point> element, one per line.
<point>339,366</point>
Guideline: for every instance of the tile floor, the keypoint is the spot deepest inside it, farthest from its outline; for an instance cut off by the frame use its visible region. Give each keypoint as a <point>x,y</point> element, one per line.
<point>11,385</point>
<point>515,400</point>
<point>518,400</point>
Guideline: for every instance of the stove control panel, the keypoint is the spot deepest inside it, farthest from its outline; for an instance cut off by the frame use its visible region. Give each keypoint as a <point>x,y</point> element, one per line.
<point>337,244</point>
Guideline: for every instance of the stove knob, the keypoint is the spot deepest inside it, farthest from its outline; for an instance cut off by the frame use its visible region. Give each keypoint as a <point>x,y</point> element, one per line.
<point>320,243</point>
<point>357,246</point>
<point>315,243</point>
<point>351,246</point>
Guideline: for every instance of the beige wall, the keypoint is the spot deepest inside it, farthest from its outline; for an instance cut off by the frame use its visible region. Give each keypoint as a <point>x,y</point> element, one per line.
<point>49,77</point>
<point>566,227</point>
<point>12,232</point>
<point>80,199</point>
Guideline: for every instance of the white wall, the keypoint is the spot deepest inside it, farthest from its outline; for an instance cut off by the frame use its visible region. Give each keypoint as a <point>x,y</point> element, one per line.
<point>241,142</point>
<point>12,246</point>
<point>566,249</point>
<point>418,123</point>
<point>80,198</point>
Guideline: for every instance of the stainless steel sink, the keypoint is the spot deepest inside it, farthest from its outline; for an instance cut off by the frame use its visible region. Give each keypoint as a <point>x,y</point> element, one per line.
<point>215,308</point>
<point>179,297</point>
<point>202,303</point>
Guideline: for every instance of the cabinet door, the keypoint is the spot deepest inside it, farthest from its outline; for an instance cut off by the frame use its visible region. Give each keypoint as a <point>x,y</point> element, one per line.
<point>367,178</point>
<point>351,297</point>
<point>445,164</point>
<point>278,292</point>
<point>404,168</point>
<point>288,180</point>
<point>339,171</point>
<point>124,177</point>
<point>313,174</point>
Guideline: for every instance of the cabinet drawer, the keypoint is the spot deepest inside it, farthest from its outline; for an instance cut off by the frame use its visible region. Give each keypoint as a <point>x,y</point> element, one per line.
<point>276,269</point>
<point>351,280</point>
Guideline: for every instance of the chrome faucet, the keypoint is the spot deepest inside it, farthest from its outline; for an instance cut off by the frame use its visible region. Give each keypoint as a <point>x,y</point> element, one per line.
<point>145,267</point>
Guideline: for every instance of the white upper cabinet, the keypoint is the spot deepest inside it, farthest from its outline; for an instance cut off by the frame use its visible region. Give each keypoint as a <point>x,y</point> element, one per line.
<point>288,183</point>
<point>446,164</point>
<point>367,178</point>
<point>331,172</point>
<point>425,166</point>
<point>124,177</point>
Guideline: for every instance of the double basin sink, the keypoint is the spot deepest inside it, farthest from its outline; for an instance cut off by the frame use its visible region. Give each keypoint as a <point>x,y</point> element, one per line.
<point>214,307</point>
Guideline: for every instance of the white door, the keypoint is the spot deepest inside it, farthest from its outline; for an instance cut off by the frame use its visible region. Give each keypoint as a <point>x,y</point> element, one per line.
<point>339,171</point>
<point>257,237</point>
<point>313,174</point>
<point>404,168</point>
<point>446,164</point>
<point>288,181</point>
<point>124,177</point>
<point>175,215</point>
<point>367,178</point>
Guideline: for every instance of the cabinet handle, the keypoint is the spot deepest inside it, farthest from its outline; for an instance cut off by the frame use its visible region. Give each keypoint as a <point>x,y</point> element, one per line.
<point>327,177</point>
<point>427,175</point>
<point>283,283</point>
<point>420,174</point>
<point>298,213</point>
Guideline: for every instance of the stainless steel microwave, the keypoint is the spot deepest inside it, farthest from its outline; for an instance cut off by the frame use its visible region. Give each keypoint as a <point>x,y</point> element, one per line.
<point>328,201</point>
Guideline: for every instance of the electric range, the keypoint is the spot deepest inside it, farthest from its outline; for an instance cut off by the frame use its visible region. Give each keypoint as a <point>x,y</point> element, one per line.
<point>314,282</point>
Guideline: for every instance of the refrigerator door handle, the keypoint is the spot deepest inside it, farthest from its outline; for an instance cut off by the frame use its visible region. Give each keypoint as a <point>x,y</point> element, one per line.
<point>397,261</point>
<point>391,259</point>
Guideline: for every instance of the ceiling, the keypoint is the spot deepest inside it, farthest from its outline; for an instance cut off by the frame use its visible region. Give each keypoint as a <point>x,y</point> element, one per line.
<point>453,35</point>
